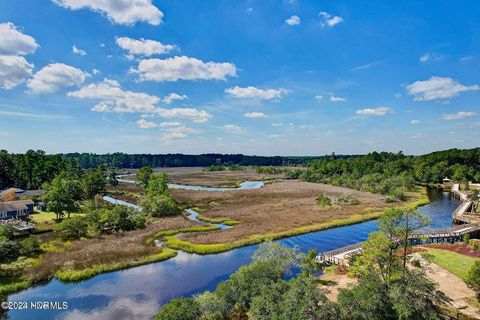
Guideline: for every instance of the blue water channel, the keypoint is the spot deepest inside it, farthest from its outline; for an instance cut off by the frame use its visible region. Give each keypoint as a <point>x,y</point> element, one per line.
<point>137,293</point>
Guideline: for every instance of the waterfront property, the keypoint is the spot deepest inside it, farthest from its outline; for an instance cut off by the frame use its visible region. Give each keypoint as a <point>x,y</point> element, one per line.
<point>15,209</point>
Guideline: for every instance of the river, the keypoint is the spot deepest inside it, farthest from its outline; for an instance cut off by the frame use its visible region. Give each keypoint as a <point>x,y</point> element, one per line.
<point>137,293</point>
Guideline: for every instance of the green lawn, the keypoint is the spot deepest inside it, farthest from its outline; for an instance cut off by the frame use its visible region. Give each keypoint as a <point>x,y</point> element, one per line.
<point>45,216</point>
<point>456,263</point>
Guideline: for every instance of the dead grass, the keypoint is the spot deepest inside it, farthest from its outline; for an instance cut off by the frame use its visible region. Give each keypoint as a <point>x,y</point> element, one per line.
<point>275,208</point>
<point>105,250</point>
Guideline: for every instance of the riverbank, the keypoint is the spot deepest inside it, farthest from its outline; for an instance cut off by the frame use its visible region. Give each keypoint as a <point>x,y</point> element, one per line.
<point>172,241</point>
<point>90,257</point>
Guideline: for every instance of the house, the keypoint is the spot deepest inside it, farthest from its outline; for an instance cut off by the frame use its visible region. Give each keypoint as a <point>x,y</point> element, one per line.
<point>15,209</point>
<point>18,193</point>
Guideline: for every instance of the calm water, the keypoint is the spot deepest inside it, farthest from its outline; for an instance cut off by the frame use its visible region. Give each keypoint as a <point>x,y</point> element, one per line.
<point>138,293</point>
<point>243,186</point>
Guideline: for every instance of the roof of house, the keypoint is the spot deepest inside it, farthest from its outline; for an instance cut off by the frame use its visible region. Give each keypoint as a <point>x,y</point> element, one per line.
<point>17,190</point>
<point>15,205</point>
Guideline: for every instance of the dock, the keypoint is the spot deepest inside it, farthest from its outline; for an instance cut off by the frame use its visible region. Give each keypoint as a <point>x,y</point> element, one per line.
<point>468,224</point>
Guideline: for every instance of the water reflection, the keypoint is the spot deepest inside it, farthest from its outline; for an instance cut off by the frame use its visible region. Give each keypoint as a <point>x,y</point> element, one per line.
<point>138,293</point>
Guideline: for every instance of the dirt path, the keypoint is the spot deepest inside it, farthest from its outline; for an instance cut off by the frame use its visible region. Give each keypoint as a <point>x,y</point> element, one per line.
<point>334,282</point>
<point>454,288</point>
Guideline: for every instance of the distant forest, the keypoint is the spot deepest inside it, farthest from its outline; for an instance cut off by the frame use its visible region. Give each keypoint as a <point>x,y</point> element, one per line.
<point>380,172</point>
<point>123,160</point>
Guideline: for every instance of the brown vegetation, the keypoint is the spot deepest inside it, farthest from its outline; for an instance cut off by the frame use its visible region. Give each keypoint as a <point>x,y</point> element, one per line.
<point>277,207</point>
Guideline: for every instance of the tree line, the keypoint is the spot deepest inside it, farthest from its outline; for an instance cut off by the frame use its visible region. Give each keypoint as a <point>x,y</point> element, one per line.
<point>393,174</point>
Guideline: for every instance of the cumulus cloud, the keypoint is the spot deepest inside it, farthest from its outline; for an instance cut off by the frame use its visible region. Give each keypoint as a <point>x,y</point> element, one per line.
<point>337,99</point>
<point>13,71</point>
<point>414,121</point>
<point>255,115</point>
<point>174,96</point>
<point>328,20</point>
<point>293,21</point>
<point>425,57</point>
<point>318,98</point>
<point>378,112</point>
<point>183,68</point>
<point>126,12</point>
<point>256,93</point>
<point>233,128</point>
<point>437,88</point>
<point>112,98</point>
<point>54,77</point>
<point>143,46</point>
<point>458,115</point>
<point>176,133</point>
<point>78,51</point>
<point>169,124</point>
<point>144,124</point>
<point>15,42</point>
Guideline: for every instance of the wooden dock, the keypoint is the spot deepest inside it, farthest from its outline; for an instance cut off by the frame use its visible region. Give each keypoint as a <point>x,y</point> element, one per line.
<point>470,225</point>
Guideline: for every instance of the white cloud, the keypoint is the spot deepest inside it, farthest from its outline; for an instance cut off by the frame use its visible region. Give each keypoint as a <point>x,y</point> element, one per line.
<point>437,88</point>
<point>329,20</point>
<point>174,96</point>
<point>398,95</point>
<point>256,93</point>
<point>144,124</point>
<point>13,71</point>
<point>13,42</point>
<point>198,116</point>
<point>414,121</point>
<point>378,112</point>
<point>458,115</point>
<point>176,133</point>
<point>112,98</point>
<point>95,71</point>
<point>337,99</point>
<point>54,77</point>
<point>274,136</point>
<point>169,124</point>
<point>293,21</point>
<point>78,51</point>
<point>277,124</point>
<point>425,57</point>
<point>319,98</point>
<point>255,115</point>
<point>233,128</point>
<point>143,46</point>
<point>125,12</point>
<point>183,68</point>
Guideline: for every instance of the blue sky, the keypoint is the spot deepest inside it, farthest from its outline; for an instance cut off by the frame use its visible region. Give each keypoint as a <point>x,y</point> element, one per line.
<point>254,77</point>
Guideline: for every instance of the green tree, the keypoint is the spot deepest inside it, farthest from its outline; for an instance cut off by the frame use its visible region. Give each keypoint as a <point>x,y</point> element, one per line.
<point>75,227</point>
<point>93,181</point>
<point>143,176</point>
<point>29,245</point>
<point>309,264</point>
<point>112,178</point>
<point>179,309</point>
<point>62,194</point>
<point>157,185</point>
<point>473,278</point>
<point>160,206</point>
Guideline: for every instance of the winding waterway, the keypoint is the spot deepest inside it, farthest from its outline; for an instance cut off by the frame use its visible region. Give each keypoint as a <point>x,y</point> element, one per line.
<point>137,293</point>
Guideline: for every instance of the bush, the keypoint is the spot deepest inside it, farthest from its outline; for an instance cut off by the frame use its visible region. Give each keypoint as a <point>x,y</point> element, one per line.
<point>179,309</point>
<point>75,227</point>
<point>324,201</point>
<point>160,206</point>
<point>29,245</point>
<point>475,246</point>
<point>8,248</point>
<point>473,278</point>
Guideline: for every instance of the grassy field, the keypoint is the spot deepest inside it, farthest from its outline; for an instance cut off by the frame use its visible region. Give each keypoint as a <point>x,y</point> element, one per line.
<point>453,262</point>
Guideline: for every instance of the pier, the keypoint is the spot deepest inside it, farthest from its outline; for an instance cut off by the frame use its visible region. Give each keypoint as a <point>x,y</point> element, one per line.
<point>467,224</point>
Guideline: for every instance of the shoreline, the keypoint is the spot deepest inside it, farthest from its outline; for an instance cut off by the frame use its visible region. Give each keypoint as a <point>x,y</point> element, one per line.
<point>172,244</point>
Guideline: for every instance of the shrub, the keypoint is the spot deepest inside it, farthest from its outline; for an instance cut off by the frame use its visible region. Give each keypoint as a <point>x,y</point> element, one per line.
<point>75,227</point>
<point>475,246</point>
<point>466,238</point>
<point>160,206</point>
<point>473,278</point>
<point>324,201</point>
<point>179,309</point>
<point>29,245</point>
